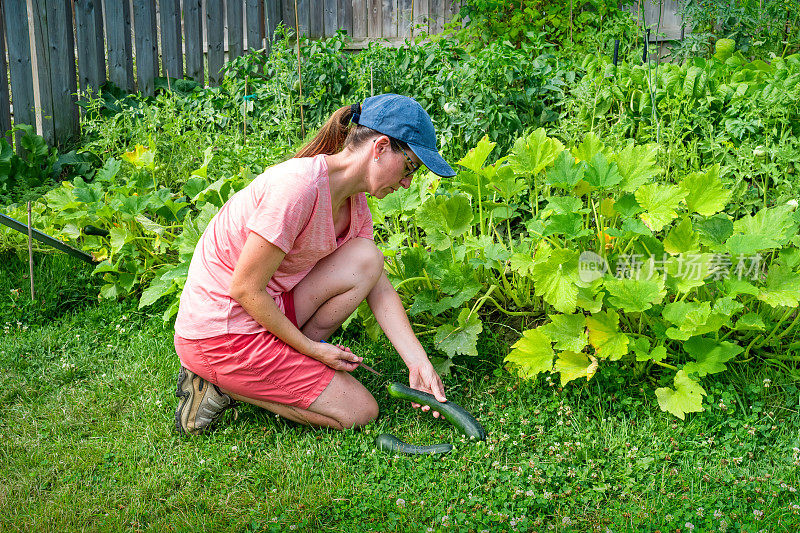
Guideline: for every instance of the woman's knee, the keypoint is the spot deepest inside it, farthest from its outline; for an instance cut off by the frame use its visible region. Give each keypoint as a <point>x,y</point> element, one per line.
<point>346,401</point>
<point>366,258</point>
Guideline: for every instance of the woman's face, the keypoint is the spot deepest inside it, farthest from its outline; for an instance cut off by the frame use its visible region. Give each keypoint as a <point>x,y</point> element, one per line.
<point>392,170</point>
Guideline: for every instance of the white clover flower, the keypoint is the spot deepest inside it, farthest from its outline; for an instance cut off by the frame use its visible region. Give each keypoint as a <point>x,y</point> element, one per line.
<point>400,502</point>
<point>689,526</point>
<point>792,203</point>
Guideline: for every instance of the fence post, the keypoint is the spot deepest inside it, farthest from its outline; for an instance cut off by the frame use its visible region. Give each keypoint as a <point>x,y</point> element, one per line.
<point>171,42</point>
<point>193,29</point>
<point>120,52</point>
<point>5,100</point>
<point>235,30</point>
<point>144,28</point>
<point>254,31</point>
<point>91,51</point>
<point>63,78</point>
<point>216,38</point>
<point>19,57</point>
<point>345,16</point>
<point>41,51</point>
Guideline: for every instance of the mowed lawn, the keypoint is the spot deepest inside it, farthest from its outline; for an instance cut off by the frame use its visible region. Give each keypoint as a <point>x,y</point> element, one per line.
<point>87,441</point>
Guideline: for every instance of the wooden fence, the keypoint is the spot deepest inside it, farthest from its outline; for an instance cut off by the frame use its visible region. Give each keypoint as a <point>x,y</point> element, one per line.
<point>131,42</point>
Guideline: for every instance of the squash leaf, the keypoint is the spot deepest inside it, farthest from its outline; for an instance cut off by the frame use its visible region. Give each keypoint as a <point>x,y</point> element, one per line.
<point>686,397</point>
<point>531,354</point>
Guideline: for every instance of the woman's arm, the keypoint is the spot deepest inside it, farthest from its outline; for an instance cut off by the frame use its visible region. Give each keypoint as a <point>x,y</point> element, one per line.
<point>391,316</point>
<point>256,265</point>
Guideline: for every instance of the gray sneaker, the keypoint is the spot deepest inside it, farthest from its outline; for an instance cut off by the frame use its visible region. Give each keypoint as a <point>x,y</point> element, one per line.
<point>200,403</point>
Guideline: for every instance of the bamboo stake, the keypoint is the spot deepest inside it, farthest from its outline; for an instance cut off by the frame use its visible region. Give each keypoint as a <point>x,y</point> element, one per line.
<point>30,250</point>
<point>299,73</point>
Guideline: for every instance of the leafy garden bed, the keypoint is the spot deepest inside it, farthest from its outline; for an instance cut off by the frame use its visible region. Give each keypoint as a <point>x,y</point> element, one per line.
<point>637,244</point>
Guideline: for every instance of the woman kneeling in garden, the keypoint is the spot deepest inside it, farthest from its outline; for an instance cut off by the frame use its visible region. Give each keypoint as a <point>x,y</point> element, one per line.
<point>286,261</point>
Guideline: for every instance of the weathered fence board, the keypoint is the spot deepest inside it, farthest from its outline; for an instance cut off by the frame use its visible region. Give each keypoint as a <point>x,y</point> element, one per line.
<point>118,41</point>
<point>420,18</point>
<point>193,39</point>
<point>19,58</point>
<point>63,76</point>
<point>316,11</point>
<point>360,16</point>
<point>436,20</point>
<point>215,39</point>
<point>235,29</point>
<point>404,9</point>
<point>389,18</point>
<point>171,42</point>
<point>5,101</point>
<point>166,37</point>
<point>272,16</point>
<point>91,50</point>
<point>255,25</point>
<point>41,43</point>
<point>331,17</point>
<point>344,13</point>
<point>144,28</point>
<point>375,24</point>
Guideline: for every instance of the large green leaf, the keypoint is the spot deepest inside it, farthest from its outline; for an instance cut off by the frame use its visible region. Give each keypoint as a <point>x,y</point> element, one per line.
<point>687,271</point>
<point>682,238</point>
<point>534,153</point>
<point>568,331</point>
<point>555,276</point>
<point>531,354</point>
<point>659,202</point>
<point>475,158</point>
<point>522,264</point>
<point>782,287</point>
<point>444,218</point>
<point>635,295</point>
<point>705,193</point>
<point>637,165</point>
<point>714,230</point>
<point>769,228</point>
<point>686,397</point>
<point>750,322</point>
<point>605,336</point>
<point>602,174</point>
<point>574,365</point>
<point>692,318</point>
<point>566,173</point>
<point>461,338</point>
<point>158,288</point>
<point>709,355</point>
<point>590,146</point>
<point>506,183</point>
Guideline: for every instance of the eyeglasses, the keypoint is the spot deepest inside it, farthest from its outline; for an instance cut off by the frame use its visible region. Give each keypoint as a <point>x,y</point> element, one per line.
<point>414,166</point>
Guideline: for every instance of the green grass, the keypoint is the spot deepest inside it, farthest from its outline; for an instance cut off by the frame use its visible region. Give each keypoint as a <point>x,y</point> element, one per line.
<point>87,443</point>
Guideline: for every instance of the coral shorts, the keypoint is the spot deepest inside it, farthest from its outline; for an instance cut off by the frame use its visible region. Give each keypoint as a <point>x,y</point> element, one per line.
<point>258,366</point>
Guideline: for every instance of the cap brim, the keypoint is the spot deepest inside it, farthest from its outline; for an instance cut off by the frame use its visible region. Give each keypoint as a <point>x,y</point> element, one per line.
<point>432,160</point>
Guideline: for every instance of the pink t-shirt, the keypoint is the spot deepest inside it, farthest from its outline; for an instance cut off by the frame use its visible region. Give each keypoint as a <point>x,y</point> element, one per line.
<point>289,205</point>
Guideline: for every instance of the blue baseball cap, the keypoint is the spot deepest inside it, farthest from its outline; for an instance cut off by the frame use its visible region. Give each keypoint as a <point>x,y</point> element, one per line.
<point>402,118</point>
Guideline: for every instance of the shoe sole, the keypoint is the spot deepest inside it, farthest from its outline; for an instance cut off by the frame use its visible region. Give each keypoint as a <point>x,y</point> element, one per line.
<point>181,394</point>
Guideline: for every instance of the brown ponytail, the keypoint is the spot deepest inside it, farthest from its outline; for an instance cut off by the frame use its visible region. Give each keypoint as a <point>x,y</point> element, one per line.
<point>331,136</point>
<point>337,133</point>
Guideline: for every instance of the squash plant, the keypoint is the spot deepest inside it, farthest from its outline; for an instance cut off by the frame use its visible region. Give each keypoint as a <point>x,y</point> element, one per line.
<point>616,266</point>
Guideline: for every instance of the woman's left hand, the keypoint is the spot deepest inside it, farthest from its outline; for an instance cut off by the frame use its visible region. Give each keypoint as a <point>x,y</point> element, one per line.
<point>424,378</point>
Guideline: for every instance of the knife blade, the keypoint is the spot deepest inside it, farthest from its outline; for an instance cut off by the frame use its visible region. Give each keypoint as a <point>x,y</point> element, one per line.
<point>367,367</point>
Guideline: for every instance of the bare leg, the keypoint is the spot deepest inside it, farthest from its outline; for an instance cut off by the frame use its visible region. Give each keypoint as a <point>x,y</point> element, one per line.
<point>323,300</point>
<point>336,286</point>
<point>344,403</point>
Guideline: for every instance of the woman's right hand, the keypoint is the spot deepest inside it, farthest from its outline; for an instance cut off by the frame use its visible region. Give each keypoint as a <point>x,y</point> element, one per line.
<point>336,356</point>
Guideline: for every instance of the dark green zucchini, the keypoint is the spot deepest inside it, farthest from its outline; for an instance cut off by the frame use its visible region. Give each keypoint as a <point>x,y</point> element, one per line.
<point>454,413</point>
<point>390,443</point>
